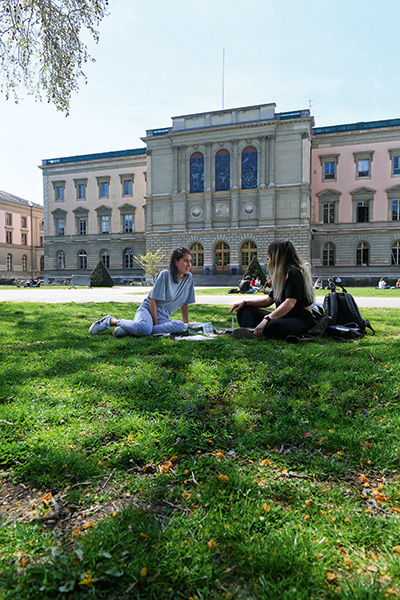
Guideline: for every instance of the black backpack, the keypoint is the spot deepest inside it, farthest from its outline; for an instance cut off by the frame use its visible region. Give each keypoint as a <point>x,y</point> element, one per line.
<point>345,314</point>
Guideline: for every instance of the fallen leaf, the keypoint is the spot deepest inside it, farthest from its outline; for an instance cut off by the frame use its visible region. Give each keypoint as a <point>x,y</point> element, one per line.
<point>266,507</point>
<point>211,544</point>
<point>47,499</point>
<point>143,572</point>
<point>144,537</point>
<point>330,576</point>
<point>223,478</point>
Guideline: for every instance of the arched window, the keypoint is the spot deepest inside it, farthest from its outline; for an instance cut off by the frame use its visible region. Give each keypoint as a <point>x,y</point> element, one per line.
<point>105,257</point>
<point>197,251</point>
<point>222,170</point>
<point>42,263</point>
<point>24,262</point>
<point>9,262</point>
<point>396,253</point>
<point>362,254</point>
<point>249,168</point>
<point>60,260</point>
<point>196,173</point>
<point>222,257</point>
<point>249,249</point>
<point>328,255</point>
<point>82,260</point>
<point>128,259</point>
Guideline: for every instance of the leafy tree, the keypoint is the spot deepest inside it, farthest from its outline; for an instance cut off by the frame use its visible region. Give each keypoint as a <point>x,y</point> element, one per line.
<point>150,263</point>
<point>41,49</point>
<point>100,277</point>
<point>254,270</point>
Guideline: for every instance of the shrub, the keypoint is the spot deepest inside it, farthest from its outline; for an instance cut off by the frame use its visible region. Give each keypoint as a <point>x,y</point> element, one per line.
<point>254,270</point>
<point>100,277</point>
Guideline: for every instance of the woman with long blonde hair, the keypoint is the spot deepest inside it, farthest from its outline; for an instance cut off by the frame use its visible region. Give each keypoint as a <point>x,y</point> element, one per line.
<point>292,293</point>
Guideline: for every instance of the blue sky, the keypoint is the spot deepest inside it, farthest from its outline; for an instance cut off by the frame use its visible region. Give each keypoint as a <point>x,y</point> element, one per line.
<point>160,59</point>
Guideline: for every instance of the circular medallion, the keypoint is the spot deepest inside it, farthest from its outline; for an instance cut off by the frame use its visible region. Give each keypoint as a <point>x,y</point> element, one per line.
<point>248,208</point>
<point>196,212</point>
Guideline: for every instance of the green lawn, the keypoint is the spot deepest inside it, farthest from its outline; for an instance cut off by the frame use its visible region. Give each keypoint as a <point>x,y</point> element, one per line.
<point>205,470</point>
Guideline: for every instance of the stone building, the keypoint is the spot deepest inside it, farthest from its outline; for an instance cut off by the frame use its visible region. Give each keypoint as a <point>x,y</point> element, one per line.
<point>227,183</point>
<point>356,200</point>
<point>94,209</point>
<point>21,238</point>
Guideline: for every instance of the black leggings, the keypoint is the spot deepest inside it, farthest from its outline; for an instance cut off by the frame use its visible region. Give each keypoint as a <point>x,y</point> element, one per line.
<point>278,329</point>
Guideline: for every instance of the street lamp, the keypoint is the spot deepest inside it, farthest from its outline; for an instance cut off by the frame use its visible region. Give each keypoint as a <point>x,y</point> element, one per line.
<point>31,207</point>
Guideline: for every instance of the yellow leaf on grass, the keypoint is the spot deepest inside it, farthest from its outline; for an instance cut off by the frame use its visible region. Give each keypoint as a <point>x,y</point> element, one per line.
<point>266,507</point>
<point>362,478</point>
<point>173,459</point>
<point>306,517</point>
<point>88,524</point>
<point>87,580</point>
<point>186,496</point>
<point>396,548</point>
<point>223,478</point>
<point>47,499</point>
<point>144,537</point>
<point>330,576</point>
<point>143,572</point>
<point>265,462</point>
<point>307,502</point>
<point>211,544</point>
<point>347,520</point>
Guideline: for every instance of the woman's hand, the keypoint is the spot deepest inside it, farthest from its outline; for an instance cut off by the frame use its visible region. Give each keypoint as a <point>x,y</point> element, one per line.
<point>237,306</point>
<point>259,330</point>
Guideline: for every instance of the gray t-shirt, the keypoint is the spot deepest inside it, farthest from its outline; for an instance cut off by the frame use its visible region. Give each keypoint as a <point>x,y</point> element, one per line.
<point>170,295</point>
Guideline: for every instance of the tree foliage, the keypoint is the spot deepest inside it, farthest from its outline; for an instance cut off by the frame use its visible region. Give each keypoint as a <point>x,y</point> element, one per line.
<point>150,262</point>
<point>254,270</point>
<point>100,277</point>
<point>41,47</point>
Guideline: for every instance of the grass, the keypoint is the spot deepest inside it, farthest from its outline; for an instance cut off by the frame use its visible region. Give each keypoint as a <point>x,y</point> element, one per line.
<point>204,470</point>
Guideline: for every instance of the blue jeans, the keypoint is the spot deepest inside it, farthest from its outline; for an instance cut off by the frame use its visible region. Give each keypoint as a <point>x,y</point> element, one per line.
<point>142,323</point>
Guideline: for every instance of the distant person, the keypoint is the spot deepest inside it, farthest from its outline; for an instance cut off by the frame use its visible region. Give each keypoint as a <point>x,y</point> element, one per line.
<point>318,284</point>
<point>173,289</point>
<point>244,284</point>
<point>398,284</point>
<point>382,285</point>
<point>331,285</point>
<point>337,279</point>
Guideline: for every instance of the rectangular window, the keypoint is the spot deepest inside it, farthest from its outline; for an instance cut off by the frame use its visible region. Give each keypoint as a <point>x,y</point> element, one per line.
<point>23,221</point>
<point>104,189</point>
<point>41,225</point>
<point>128,187</point>
<point>82,226</point>
<point>81,191</point>
<point>41,241</point>
<point>59,192</point>
<point>396,165</point>
<point>363,168</point>
<point>128,223</point>
<point>329,170</point>
<point>105,224</point>
<point>8,218</point>
<point>9,237</point>
<point>60,227</point>
<point>328,212</point>
<point>24,239</point>
<point>396,209</point>
<point>363,211</point>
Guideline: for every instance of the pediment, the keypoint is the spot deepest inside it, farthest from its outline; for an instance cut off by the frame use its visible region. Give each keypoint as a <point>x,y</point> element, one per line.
<point>362,190</point>
<point>329,192</point>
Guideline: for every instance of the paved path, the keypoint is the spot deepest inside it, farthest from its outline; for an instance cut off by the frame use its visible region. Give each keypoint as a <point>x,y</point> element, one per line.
<point>137,294</point>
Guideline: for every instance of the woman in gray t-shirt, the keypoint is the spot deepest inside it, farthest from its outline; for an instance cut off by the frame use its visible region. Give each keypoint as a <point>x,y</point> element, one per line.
<point>173,289</point>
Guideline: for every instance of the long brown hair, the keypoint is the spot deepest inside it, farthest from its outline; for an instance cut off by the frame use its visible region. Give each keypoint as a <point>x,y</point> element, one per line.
<point>177,255</point>
<point>282,255</point>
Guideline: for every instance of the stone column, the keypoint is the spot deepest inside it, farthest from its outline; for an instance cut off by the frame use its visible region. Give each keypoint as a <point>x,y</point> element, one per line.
<point>271,160</point>
<point>208,185</point>
<point>182,170</point>
<point>262,161</point>
<point>175,170</point>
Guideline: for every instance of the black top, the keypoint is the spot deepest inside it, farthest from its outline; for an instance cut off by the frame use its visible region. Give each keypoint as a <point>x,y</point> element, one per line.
<point>293,287</point>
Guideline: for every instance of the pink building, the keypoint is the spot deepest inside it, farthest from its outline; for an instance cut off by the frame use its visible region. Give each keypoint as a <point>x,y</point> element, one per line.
<point>355,202</point>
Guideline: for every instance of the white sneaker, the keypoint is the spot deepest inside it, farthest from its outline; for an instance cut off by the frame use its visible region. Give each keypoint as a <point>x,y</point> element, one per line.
<point>100,325</point>
<point>119,332</point>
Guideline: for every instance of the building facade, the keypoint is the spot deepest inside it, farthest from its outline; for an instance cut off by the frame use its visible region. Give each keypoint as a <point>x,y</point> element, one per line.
<point>356,199</point>
<point>94,209</point>
<point>227,183</point>
<point>21,238</point>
